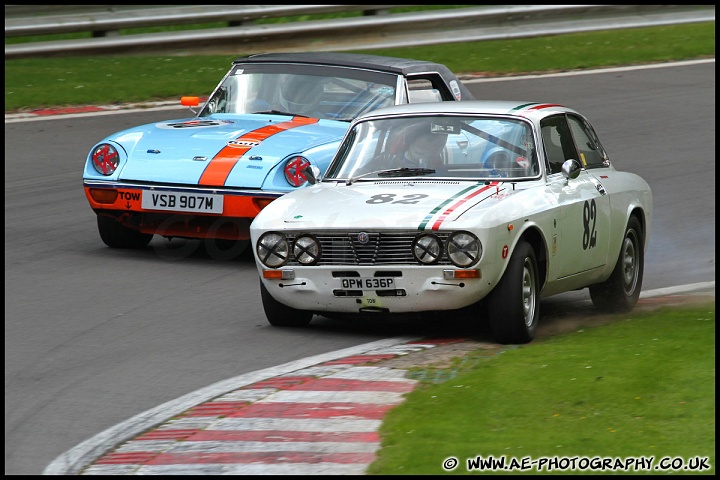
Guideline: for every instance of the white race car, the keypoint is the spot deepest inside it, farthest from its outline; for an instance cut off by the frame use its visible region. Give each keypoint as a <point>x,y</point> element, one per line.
<point>456,205</point>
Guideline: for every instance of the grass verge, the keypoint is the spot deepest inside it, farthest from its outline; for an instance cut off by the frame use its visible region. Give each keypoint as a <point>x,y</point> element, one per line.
<point>106,80</point>
<point>643,386</point>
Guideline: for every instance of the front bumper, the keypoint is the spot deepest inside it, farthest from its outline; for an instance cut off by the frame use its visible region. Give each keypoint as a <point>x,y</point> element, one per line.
<point>124,203</point>
<point>365,289</point>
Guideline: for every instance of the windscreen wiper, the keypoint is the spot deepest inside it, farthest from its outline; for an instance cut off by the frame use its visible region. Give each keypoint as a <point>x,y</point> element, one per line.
<point>394,172</point>
<point>280,112</point>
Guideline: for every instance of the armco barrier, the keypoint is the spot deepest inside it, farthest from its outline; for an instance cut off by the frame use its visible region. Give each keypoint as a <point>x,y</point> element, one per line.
<point>364,32</point>
<point>107,20</point>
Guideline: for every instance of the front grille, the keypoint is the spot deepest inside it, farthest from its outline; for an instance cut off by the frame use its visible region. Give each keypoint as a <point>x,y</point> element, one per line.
<point>381,248</point>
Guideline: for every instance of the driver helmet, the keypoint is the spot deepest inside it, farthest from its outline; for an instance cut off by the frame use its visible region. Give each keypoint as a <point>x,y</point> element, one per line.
<point>424,145</point>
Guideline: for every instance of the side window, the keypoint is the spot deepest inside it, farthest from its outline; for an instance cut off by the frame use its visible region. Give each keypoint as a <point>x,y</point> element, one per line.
<point>424,96</point>
<point>557,142</point>
<point>591,152</point>
<point>427,88</point>
<point>422,91</point>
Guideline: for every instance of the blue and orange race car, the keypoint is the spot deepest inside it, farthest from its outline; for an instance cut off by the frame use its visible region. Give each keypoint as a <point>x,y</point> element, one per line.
<point>271,116</point>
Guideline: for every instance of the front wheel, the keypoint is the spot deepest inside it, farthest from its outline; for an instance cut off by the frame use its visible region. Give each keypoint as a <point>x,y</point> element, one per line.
<point>114,235</point>
<point>513,306</point>
<point>280,315</point>
<point>621,291</point>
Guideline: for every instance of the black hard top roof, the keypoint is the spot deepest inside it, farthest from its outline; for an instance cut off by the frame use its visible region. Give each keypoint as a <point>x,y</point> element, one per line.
<point>358,60</point>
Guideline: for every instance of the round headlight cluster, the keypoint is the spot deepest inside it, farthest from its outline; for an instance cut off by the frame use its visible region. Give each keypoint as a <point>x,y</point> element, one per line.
<point>273,249</point>
<point>427,249</point>
<point>294,170</point>
<point>105,159</point>
<point>463,249</point>
<point>306,249</point>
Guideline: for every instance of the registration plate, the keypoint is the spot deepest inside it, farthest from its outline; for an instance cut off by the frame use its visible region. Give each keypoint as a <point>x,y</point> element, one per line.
<point>182,202</point>
<point>371,283</point>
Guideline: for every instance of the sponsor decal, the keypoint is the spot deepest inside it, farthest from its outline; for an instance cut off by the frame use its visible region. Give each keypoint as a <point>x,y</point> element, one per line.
<point>240,143</point>
<point>455,89</point>
<point>523,162</point>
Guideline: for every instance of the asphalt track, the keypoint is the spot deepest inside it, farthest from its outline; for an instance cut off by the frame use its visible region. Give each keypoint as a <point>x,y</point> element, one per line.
<point>316,416</point>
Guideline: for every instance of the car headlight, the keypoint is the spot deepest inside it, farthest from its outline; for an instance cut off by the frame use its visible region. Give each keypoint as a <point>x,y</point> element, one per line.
<point>306,250</point>
<point>273,249</point>
<point>463,249</point>
<point>427,249</point>
<point>105,159</point>
<point>294,170</point>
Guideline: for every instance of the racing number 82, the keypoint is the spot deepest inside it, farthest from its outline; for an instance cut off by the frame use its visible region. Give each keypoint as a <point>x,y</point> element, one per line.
<point>389,197</point>
<point>589,233</point>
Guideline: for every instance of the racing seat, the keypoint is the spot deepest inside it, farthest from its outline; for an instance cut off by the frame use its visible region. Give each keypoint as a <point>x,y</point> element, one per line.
<point>553,149</point>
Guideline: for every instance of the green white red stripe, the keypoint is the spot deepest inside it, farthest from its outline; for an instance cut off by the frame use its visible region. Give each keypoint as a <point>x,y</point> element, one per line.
<point>440,213</point>
<point>534,106</point>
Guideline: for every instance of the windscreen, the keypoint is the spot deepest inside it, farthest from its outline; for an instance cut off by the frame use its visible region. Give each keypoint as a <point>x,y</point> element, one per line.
<point>318,92</point>
<point>437,146</point>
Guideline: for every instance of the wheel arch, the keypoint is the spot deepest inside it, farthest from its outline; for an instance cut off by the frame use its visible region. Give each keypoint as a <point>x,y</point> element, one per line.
<point>639,213</point>
<point>535,238</point>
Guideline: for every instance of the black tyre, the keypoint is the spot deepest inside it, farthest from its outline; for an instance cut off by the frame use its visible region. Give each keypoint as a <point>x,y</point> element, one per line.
<point>114,235</point>
<point>280,315</point>
<point>513,307</point>
<point>621,291</point>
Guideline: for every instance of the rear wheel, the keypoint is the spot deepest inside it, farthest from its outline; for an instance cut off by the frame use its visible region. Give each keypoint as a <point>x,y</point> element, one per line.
<point>114,235</point>
<point>513,307</point>
<point>621,291</point>
<point>280,315</point>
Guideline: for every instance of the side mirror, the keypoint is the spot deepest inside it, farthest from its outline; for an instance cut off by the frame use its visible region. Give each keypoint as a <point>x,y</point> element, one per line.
<point>571,169</point>
<point>190,102</point>
<point>312,173</point>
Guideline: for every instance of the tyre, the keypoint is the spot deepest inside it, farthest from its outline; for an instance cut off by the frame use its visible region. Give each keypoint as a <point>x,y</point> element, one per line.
<point>621,291</point>
<point>513,307</point>
<point>114,235</point>
<point>280,315</point>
